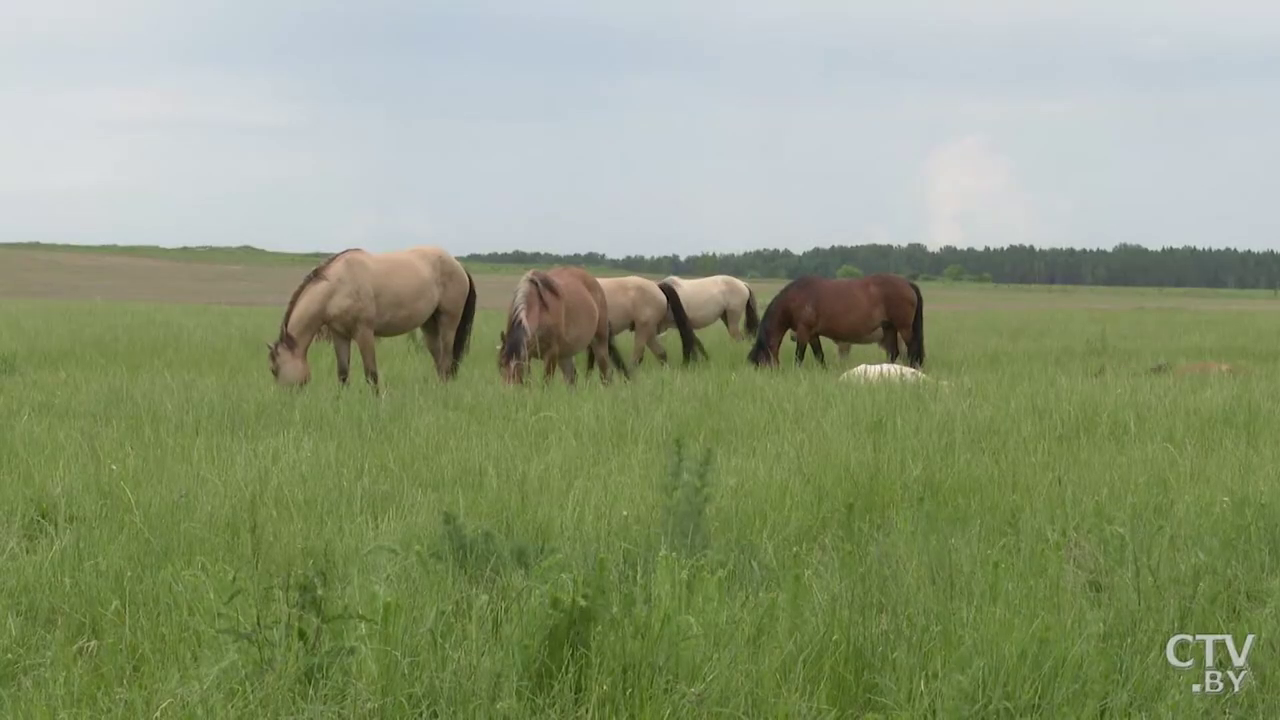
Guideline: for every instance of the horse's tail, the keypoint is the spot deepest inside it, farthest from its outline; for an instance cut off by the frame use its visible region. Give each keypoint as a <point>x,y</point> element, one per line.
<point>689,342</point>
<point>462,336</point>
<point>752,322</point>
<point>615,357</point>
<point>915,348</point>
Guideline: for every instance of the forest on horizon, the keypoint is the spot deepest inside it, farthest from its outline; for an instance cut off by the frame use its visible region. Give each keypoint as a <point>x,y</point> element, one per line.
<point>1122,265</point>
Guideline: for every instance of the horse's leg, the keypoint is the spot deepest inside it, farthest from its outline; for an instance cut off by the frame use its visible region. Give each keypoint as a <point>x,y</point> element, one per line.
<point>646,337</point>
<point>655,347</point>
<point>802,344</point>
<point>549,363</point>
<point>365,341</point>
<point>431,337</point>
<point>844,349</point>
<point>342,349</point>
<point>815,344</point>
<point>890,342</point>
<point>600,349</point>
<point>569,369</point>
<point>732,319</point>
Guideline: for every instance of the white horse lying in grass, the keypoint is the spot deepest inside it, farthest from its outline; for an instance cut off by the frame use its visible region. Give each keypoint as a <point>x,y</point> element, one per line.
<point>887,372</point>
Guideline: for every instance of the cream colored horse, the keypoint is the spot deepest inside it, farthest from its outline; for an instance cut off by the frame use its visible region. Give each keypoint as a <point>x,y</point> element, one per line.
<point>358,295</point>
<point>718,297</point>
<point>647,309</point>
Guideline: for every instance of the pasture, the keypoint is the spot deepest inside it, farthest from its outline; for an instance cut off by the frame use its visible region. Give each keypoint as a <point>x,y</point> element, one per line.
<point>180,538</point>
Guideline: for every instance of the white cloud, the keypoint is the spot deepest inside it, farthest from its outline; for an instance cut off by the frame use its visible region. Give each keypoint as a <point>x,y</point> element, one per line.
<point>974,198</point>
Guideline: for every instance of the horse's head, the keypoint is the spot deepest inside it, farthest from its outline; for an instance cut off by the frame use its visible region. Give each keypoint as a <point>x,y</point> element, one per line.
<point>763,353</point>
<point>288,366</point>
<point>513,362</point>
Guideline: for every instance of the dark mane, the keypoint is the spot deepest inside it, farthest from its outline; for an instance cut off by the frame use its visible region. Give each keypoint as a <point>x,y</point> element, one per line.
<point>766,330</point>
<point>317,273</point>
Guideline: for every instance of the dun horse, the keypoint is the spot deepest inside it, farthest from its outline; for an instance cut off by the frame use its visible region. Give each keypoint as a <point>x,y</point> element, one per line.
<point>358,295</point>
<point>876,308</point>
<point>647,309</point>
<point>555,315</point>
<point>719,297</point>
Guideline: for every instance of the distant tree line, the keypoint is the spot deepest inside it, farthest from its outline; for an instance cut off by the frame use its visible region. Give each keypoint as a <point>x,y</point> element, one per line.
<point>1124,265</point>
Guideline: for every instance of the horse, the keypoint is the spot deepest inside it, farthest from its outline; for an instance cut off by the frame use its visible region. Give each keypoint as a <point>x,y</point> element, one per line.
<point>871,309</point>
<point>554,315</point>
<point>648,309</point>
<point>359,295</point>
<point>1200,368</point>
<point>718,297</point>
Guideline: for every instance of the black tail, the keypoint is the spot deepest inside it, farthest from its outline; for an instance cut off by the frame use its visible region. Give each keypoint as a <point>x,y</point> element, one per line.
<point>462,337</point>
<point>752,322</point>
<point>615,357</point>
<point>915,348</point>
<point>689,343</point>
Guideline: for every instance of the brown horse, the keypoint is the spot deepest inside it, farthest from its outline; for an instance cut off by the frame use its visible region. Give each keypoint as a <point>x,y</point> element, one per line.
<point>1200,368</point>
<point>871,309</point>
<point>361,296</point>
<point>648,309</point>
<point>555,315</point>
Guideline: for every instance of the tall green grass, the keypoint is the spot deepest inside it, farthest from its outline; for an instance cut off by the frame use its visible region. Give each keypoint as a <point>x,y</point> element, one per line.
<point>181,539</point>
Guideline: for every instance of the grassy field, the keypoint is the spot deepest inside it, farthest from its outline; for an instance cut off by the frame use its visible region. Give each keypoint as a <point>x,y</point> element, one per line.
<point>182,539</point>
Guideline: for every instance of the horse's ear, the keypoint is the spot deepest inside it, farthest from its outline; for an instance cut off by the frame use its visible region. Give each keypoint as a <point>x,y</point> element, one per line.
<point>270,347</point>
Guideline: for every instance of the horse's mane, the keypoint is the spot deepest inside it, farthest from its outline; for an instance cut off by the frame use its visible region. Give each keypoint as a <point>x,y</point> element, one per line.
<point>317,273</point>
<point>517,319</point>
<point>765,331</point>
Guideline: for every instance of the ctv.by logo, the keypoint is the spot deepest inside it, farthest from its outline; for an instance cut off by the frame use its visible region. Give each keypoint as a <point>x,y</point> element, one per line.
<point>1212,677</point>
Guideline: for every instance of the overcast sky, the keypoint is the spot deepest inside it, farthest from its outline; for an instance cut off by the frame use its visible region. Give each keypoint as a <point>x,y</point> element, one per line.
<point>639,126</point>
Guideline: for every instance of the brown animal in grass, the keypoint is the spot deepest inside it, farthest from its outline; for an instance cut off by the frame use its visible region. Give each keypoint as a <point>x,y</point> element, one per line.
<point>1200,368</point>
<point>553,316</point>
<point>358,295</point>
<point>876,308</point>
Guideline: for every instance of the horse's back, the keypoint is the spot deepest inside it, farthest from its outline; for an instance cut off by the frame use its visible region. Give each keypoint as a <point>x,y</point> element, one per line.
<point>584,298</point>
<point>633,300</point>
<point>410,285</point>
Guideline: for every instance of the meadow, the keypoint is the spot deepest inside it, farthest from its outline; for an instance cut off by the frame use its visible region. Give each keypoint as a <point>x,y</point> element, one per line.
<point>182,539</point>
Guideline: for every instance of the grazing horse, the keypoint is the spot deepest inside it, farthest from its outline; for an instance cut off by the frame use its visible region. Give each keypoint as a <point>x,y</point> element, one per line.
<point>874,308</point>
<point>361,296</point>
<point>647,309</point>
<point>555,315</point>
<point>719,297</point>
